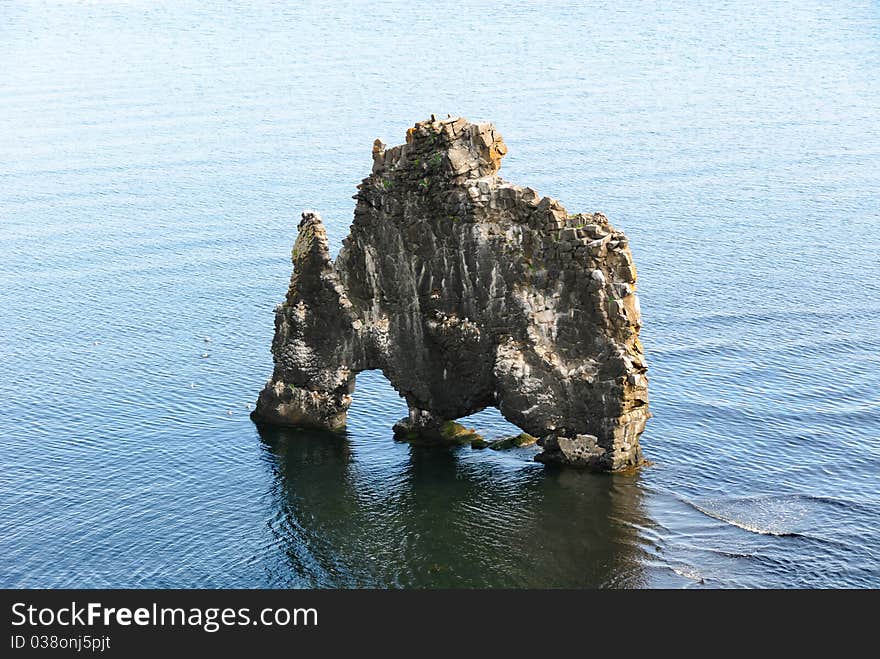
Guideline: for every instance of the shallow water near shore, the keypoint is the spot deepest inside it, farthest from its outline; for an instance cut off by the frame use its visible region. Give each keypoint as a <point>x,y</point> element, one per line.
<point>155,157</point>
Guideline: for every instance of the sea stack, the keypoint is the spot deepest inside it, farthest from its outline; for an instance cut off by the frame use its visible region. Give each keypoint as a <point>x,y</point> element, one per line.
<point>467,292</point>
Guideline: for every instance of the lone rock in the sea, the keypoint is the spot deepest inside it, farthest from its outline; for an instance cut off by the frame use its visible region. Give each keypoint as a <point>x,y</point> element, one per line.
<point>467,292</point>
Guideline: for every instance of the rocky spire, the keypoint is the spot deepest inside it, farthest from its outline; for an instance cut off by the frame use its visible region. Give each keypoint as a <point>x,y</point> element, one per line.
<point>467,292</point>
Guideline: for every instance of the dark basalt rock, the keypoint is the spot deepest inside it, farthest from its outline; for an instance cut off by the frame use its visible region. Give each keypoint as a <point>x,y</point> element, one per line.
<point>467,292</point>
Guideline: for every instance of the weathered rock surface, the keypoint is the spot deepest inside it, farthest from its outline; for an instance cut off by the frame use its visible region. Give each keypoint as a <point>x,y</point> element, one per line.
<point>467,292</point>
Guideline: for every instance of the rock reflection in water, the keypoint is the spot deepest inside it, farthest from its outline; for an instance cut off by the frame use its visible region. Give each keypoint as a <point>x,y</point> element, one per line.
<point>446,518</point>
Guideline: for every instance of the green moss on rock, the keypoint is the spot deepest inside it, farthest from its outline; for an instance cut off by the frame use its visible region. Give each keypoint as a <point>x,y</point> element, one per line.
<point>523,439</point>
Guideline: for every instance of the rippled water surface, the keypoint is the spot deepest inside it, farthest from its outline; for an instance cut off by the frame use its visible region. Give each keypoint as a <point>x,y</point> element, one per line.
<point>154,158</point>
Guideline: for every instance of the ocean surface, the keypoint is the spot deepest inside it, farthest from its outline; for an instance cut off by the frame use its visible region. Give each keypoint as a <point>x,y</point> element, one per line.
<point>155,158</point>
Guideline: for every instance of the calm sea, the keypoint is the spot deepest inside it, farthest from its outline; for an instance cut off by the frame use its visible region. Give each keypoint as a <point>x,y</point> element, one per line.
<point>155,157</point>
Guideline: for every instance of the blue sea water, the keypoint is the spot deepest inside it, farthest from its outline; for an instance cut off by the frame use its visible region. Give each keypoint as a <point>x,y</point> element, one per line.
<point>155,156</point>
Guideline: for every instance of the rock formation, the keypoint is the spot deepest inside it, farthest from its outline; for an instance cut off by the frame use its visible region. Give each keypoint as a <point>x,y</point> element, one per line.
<point>467,292</point>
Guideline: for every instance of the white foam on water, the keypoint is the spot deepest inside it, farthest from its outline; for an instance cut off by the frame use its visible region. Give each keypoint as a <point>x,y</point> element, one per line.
<point>778,515</point>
